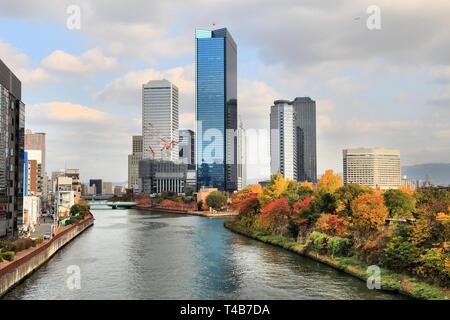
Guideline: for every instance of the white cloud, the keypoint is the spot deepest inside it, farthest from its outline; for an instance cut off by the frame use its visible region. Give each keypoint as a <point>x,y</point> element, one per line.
<point>19,64</point>
<point>91,61</point>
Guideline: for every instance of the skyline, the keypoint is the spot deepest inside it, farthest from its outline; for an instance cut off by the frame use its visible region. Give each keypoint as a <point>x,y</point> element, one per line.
<point>366,95</point>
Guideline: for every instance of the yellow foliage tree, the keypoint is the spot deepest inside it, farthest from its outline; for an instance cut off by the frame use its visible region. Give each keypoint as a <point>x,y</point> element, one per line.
<point>369,212</point>
<point>274,190</point>
<point>307,184</point>
<point>329,182</point>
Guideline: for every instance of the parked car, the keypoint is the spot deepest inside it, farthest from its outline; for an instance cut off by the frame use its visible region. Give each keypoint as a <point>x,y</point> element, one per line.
<point>47,235</point>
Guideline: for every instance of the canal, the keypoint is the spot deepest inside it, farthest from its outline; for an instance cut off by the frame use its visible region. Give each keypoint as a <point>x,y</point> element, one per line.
<point>131,254</point>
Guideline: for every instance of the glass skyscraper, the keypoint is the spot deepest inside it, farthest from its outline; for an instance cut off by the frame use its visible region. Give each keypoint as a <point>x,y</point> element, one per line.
<point>216,110</point>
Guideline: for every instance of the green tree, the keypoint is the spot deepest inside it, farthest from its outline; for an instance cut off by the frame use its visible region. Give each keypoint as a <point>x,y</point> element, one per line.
<point>399,204</point>
<point>216,200</point>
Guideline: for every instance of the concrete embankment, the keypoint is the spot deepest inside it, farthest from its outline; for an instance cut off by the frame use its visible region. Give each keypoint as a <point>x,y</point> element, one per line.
<point>23,266</point>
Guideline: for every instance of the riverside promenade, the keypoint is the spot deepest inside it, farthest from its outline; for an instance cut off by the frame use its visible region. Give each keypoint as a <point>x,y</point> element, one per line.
<point>27,261</point>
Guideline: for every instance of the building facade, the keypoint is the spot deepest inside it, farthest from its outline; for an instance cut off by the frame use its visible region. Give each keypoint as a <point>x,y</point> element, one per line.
<point>373,167</point>
<point>305,126</point>
<point>293,139</point>
<point>216,110</point>
<point>160,120</point>
<point>107,188</point>
<point>133,163</point>
<point>186,144</point>
<point>156,176</point>
<point>36,141</point>
<point>283,140</point>
<point>12,149</point>
<point>242,157</point>
<point>97,184</point>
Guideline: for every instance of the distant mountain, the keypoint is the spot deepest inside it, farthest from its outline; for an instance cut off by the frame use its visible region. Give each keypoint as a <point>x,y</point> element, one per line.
<point>439,173</point>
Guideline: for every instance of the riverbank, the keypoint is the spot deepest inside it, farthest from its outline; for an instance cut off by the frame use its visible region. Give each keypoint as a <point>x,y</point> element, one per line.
<point>26,262</point>
<point>390,281</point>
<point>190,212</point>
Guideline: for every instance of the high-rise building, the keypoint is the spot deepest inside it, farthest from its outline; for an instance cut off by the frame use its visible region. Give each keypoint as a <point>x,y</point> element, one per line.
<point>12,145</point>
<point>186,144</point>
<point>97,184</point>
<point>293,139</point>
<point>373,167</point>
<point>305,126</point>
<point>216,109</point>
<point>242,157</point>
<point>133,163</point>
<point>283,140</point>
<point>160,120</point>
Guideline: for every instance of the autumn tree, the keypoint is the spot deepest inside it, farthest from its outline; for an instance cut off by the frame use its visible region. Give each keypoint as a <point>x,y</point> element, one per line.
<point>249,205</point>
<point>216,200</point>
<point>369,213</point>
<point>275,189</point>
<point>333,225</point>
<point>274,215</point>
<point>427,229</point>
<point>347,194</point>
<point>329,182</point>
<point>399,204</point>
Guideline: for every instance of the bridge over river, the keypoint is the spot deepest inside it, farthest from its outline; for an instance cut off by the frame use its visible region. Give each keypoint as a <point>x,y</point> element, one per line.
<point>113,205</point>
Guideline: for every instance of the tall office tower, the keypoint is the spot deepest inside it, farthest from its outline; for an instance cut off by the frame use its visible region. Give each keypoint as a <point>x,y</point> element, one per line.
<point>12,145</point>
<point>160,120</point>
<point>36,141</point>
<point>283,140</point>
<point>97,184</point>
<point>242,156</point>
<point>372,167</point>
<point>296,157</point>
<point>216,109</point>
<point>305,122</point>
<point>133,163</point>
<point>187,147</point>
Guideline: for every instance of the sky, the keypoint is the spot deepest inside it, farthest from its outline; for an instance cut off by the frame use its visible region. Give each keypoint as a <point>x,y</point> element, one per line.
<point>386,87</point>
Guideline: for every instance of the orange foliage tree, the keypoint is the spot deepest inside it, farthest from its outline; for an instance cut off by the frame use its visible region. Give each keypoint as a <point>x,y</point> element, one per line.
<point>274,215</point>
<point>248,205</point>
<point>144,201</point>
<point>369,212</point>
<point>333,225</point>
<point>329,182</point>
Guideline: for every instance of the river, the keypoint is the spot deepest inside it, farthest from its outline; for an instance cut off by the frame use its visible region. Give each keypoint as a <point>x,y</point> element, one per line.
<point>131,254</point>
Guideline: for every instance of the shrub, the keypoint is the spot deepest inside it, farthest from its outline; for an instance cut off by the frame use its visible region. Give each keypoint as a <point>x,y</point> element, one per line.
<point>22,244</point>
<point>8,255</point>
<point>6,246</point>
<point>435,265</point>
<point>38,241</point>
<point>338,246</point>
<point>399,254</point>
<point>318,241</point>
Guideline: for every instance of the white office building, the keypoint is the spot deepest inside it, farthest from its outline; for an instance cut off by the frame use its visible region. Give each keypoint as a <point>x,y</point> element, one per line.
<point>283,140</point>
<point>160,120</point>
<point>241,157</point>
<point>373,167</point>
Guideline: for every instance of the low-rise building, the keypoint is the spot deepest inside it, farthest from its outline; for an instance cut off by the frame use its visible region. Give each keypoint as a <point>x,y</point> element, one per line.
<point>156,176</point>
<point>64,197</point>
<point>31,213</point>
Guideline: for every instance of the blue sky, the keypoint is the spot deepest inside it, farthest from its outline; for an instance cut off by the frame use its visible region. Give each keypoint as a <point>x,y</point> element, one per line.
<point>387,87</point>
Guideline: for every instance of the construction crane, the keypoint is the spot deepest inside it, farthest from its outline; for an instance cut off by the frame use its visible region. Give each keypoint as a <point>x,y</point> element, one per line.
<point>155,134</point>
